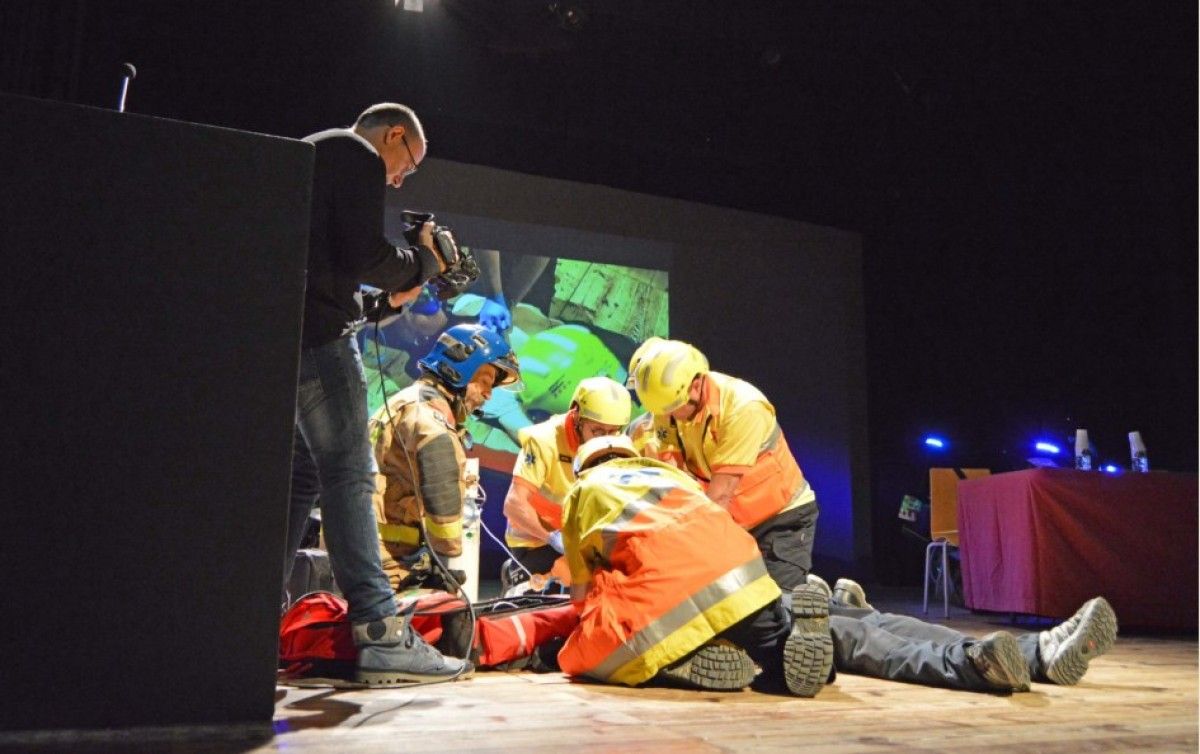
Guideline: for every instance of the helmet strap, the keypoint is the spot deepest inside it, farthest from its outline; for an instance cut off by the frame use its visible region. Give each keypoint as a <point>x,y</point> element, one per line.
<point>453,396</point>
<point>573,428</point>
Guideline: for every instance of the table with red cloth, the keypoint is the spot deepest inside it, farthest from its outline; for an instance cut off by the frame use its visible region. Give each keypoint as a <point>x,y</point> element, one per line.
<point>1042,541</point>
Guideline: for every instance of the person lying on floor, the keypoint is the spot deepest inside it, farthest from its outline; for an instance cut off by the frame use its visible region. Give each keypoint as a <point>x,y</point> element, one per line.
<point>868,642</point>
<point>672,590</point>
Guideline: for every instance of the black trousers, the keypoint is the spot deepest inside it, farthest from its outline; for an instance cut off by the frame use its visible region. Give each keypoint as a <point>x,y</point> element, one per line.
<point>786,544</point>
<point>880,645</point>
<point>536,559</point>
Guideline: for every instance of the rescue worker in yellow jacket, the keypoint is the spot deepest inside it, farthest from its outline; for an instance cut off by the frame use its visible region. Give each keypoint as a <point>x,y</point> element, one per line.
<point>643,430</point>
<point>672,589</point>
<point>661,572</point>
<point>723,431</point>
<point>542,474</point>
<point>417,437</point>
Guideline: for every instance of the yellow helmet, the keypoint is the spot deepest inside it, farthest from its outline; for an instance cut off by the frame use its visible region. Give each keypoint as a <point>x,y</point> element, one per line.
<point>598,447</point>
<point>665,374</point>
<point>640,353</point>
<point>603,400</point>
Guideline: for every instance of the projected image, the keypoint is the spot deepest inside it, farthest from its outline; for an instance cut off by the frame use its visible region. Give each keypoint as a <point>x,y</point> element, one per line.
<point>566,319</point>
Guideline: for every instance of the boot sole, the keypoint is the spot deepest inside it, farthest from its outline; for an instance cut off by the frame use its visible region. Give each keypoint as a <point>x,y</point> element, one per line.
<point>1095,635</point>
<point>718,666</point>
<point>820,583</point>
<point>1009,662</point>
<point>393,678</point>
<point>808,651</point>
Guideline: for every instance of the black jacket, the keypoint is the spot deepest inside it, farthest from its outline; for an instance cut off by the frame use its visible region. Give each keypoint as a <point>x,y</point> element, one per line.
<point>346,244</point>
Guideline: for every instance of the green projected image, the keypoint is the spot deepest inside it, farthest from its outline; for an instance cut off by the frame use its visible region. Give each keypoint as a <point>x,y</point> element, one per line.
<point>569,319</point>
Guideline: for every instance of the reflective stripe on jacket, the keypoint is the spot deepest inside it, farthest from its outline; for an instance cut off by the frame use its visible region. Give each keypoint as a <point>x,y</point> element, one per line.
<point>669,570</point>
<point>773,485</point>
<point>771,480</point>
<point>420,447</point>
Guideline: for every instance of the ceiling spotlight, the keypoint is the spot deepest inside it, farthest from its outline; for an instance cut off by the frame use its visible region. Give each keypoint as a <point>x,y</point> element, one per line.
<point>1047,447</point>
<point>571,16</point>
<point>935,442</point>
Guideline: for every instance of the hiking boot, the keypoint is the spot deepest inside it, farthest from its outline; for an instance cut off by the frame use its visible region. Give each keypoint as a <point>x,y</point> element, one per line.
<point>820,583</point>
<point>1067,648</point>
<point>390,652</point>
<point>998,659</point>
<point>716,666</point>
<point>850,593</point>
<point>808,651</point>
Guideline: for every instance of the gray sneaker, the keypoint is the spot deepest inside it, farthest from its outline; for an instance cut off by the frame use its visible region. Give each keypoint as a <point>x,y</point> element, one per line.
<point>1067,648</point>
<point>716,666</point>
<point>808,651</point>
<point>820,583</point>
<point>998,659</point>
<point>850,593</point>
<point>390,652</point>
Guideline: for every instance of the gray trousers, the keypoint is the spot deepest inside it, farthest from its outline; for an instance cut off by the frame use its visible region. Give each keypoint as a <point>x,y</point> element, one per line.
<point>902,648</point>
<point>871,643</point>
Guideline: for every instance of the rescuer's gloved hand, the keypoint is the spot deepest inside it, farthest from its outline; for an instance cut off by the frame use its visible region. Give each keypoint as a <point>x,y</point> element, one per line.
<point>495,314</point>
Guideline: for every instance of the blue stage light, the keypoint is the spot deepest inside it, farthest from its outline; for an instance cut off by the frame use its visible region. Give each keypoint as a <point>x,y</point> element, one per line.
<point>1047,447</point>
<point>937,443</point>
<point>1111,469</point>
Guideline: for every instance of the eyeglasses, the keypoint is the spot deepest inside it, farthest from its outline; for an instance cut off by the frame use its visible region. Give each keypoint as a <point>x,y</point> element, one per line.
<point>412,160</point>
<point>597,428</point>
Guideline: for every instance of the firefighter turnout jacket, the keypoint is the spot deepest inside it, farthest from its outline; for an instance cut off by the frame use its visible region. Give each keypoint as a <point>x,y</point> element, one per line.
<point>419,451</point>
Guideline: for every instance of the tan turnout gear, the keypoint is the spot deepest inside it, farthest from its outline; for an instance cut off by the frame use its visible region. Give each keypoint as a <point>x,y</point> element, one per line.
<point>421,448</point>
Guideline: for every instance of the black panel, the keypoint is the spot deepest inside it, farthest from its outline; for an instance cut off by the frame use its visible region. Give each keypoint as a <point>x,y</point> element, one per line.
<point>152,285</point>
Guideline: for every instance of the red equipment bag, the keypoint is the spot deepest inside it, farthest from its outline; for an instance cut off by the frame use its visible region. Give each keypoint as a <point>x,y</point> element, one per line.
<point>507,629</point>
<point>315,637</point>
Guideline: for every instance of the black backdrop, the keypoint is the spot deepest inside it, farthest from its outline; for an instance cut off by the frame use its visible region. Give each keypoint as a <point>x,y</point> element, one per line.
<point>1023,174</point>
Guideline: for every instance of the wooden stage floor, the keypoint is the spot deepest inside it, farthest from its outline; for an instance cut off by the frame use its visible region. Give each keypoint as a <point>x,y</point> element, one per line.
<point>1141,696</point>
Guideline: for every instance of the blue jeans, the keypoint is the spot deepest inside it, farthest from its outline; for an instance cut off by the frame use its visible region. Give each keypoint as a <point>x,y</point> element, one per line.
<point>332,460</point>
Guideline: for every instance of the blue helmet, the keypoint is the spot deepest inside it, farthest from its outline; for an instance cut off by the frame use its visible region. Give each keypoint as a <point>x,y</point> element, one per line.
<point>463,349</point>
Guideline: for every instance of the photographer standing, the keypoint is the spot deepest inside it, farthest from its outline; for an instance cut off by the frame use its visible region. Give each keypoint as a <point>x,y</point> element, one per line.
<point>332,457</point>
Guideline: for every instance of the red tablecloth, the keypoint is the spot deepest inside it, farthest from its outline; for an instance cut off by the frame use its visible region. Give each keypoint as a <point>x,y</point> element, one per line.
<point>1042,541</point>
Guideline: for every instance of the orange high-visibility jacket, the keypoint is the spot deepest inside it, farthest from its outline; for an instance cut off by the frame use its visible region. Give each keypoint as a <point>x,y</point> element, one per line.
<point>669,570</point>
<point>735,431</point>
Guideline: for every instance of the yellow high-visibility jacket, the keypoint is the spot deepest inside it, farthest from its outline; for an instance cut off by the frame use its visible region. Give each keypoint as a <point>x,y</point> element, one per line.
<point>735,431</point>
<point>669,570</point>
<point>544,467</point>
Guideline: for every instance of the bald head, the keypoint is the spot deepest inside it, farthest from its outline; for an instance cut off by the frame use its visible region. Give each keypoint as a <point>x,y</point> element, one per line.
<point>396,133</point>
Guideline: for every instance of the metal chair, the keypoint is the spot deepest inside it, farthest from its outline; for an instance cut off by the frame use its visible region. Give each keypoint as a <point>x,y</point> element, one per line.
<point>943,527</point>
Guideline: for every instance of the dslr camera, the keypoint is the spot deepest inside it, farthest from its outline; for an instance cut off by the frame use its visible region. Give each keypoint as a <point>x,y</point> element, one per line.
<point>461,267</point>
